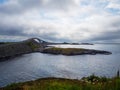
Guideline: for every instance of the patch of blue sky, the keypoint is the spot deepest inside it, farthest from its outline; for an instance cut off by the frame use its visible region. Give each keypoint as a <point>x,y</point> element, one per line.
<point>101,4</point>
<point>113,11</point>
<point>94,3</point>
<point>3,1</point>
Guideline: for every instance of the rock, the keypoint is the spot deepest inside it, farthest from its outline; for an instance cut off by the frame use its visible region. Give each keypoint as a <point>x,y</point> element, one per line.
<point>19,48</point>
<point>73,51</point>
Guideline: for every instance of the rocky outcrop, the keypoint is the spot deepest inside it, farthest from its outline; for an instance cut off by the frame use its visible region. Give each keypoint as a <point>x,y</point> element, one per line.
<point>73,51</point>
<point>19,48</point>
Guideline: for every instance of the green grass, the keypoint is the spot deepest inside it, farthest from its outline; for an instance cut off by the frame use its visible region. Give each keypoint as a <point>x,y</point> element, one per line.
<point>33,46</point>
<point>1,43</point>
<point>87,83</point>
<point>64,51</point>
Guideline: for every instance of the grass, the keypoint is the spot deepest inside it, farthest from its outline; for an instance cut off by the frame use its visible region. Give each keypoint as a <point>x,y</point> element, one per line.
<point>87,83</point>
<point>73,51</point>
<point>64,51</point>
<point>67,49</point>
<point>1,43</point>
<point>33,46</point>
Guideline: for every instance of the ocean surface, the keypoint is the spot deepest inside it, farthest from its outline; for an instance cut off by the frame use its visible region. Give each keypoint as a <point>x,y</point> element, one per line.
<point>37,65</point>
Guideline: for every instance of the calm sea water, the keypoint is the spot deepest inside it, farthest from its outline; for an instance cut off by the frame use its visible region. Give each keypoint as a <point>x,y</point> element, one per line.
<point>36,65</point>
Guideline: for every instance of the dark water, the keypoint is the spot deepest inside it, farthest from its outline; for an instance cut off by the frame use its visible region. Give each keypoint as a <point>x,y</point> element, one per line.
<point>37,65</point>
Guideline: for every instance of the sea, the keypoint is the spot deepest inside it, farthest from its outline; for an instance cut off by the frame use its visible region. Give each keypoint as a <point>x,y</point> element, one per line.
<point>37,65</point>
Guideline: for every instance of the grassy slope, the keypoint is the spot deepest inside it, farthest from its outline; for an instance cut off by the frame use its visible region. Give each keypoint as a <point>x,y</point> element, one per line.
<point>89,83</point>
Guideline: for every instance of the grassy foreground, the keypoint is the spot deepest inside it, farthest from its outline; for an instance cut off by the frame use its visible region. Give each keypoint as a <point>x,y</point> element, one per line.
<point>87,83</point>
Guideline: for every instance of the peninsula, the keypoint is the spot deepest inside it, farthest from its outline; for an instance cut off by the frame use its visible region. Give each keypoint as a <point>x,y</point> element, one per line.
<point>13,49</point>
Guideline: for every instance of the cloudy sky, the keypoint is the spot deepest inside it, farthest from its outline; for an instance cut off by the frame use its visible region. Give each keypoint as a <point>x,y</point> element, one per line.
<point>60,20</point>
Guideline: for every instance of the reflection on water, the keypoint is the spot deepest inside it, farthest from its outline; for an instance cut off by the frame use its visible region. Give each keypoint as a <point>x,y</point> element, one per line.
<point>37,65</point>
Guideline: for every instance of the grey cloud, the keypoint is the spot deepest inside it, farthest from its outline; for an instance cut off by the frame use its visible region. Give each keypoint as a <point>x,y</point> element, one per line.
<point>22,6</point>
<point>10,25</point>
<point>15,29</point>
<point>109,36</point>
<point>60,4</point>
<point>10,30</point>
<point>18,6</point>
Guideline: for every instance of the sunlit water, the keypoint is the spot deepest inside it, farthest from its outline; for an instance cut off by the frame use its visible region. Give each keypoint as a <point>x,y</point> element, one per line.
<point>36,65</point>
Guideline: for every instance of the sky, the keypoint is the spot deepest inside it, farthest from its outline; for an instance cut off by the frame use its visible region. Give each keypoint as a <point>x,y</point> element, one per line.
<point>60,20</point>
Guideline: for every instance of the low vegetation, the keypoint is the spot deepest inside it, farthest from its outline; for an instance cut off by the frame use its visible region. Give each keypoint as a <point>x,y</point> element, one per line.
<point>64,51</point>
<point>73,51</point>
<point>87,83</point>
<point>33,46</point>
<point>1,43</point>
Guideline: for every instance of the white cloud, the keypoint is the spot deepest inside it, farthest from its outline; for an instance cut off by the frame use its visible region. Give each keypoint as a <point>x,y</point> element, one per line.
<point>59,20</point>
<point>114,6</point>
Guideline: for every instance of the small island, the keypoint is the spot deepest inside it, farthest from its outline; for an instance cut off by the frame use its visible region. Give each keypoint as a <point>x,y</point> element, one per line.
<point>73,51</point>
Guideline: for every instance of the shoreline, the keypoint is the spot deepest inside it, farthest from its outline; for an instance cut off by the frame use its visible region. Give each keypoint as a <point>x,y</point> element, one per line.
<point>11,50</point>
<point>73,51</point>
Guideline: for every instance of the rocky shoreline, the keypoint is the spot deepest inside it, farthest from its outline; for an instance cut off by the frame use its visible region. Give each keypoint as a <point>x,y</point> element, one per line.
<point>36,45</point>
<point>73,51</point>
